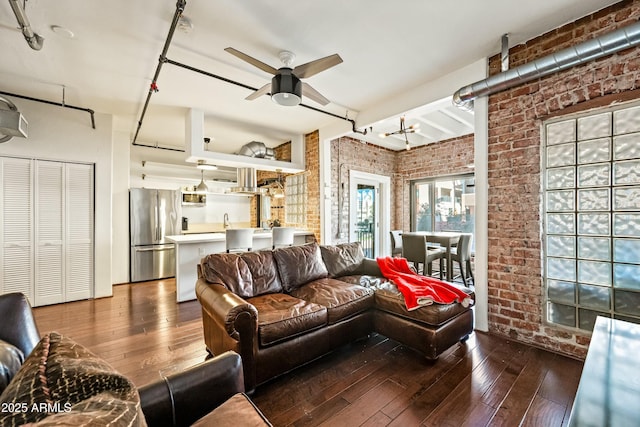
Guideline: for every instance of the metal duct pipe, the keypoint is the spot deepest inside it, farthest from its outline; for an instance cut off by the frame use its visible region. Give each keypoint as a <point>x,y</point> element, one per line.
<point>581,53</point>
<point>257,149</point>
<point>153,87</point>
<point>34,40</point>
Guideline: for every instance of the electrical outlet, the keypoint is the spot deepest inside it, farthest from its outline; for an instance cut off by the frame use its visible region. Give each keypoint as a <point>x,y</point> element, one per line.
<point>201,251</point>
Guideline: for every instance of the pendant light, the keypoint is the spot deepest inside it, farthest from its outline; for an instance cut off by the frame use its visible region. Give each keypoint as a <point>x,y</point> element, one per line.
<point>403,131</point>
<point>202,187</point>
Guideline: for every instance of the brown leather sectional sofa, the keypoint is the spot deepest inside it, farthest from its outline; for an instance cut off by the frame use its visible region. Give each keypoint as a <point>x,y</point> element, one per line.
<point>283,308</point>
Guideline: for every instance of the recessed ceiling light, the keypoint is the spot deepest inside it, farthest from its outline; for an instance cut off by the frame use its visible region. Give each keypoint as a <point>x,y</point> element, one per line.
<point>62,31</point>
<point>184,24</point>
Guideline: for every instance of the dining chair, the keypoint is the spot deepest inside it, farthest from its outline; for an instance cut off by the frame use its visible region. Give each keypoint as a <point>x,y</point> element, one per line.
<point>462,255</point>
<point>282,236</point>
<point>239,239</point>
<point>414,249</point>
<point>396,242</point>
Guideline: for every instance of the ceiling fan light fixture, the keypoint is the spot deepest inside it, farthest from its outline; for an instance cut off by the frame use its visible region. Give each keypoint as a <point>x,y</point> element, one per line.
<point>286,88</point>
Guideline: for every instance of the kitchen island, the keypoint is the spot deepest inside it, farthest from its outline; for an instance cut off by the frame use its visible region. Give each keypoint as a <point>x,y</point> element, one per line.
<point>191,248</point>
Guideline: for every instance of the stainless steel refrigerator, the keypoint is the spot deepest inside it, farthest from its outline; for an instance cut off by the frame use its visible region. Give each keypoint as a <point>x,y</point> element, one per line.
<point>153,215</point>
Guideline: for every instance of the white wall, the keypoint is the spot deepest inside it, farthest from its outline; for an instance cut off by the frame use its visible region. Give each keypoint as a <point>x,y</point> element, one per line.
<point>62,134</point>
<point>120,197</point>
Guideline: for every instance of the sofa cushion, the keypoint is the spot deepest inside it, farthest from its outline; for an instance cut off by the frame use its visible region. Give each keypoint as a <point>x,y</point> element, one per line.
<point>230,271</point>
<point>11,358</point>
<point>63,383</point>
<point>282,316</point>
<point>264,273</point>
<point>238,411</point>
<point>343,259</point>
<point>298,265</point>
<point>390,299</point>
<point>342,299</point>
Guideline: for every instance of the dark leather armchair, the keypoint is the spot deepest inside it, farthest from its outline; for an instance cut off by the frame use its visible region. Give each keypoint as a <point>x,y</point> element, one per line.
<point>183,398</point>
<point>18,335</point>
<point>18,327</point>
<point>208,392</point>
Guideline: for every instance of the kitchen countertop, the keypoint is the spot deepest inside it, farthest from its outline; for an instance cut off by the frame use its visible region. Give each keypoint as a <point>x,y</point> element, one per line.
<point>220,237</point>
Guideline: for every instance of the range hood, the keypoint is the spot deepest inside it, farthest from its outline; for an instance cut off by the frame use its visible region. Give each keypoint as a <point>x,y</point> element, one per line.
<point>247,177</point>
<point>247,182</point>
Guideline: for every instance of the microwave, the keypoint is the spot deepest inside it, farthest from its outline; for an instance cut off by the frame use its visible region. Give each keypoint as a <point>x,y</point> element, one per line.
<point>194,199</point>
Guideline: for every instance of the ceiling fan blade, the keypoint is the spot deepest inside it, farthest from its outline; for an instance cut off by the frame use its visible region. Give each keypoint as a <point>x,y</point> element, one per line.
<point>257,94</point>
<point>313,94</point>
<point>251,60</point>
<point>314,67</point>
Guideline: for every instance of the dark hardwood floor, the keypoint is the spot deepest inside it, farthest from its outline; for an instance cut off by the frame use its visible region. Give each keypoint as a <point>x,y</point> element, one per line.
<point>488,381</point>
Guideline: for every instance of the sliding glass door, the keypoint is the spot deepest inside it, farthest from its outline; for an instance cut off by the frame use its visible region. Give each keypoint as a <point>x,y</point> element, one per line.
<point>443,204</point>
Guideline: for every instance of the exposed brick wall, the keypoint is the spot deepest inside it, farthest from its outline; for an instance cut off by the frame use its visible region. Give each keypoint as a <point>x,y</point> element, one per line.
<point>450,157</point>
<point>312,159</point>
<point>515,117</point>
<point>349,154</point>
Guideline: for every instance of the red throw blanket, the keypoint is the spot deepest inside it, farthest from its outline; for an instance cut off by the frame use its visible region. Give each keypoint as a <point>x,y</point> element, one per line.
<point>420,290</point>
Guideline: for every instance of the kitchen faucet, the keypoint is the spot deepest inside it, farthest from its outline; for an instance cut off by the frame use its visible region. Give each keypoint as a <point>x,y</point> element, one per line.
<point>226,223</point>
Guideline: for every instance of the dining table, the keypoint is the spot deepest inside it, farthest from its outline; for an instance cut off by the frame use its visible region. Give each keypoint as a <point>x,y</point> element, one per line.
<point>446,239</point>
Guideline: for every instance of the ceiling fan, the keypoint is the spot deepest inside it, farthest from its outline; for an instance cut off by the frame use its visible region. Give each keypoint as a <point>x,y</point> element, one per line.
<point>403,131</point>
<point>285,87</point>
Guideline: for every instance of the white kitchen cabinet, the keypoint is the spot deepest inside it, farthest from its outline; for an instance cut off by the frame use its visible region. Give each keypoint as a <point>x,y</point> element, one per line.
<point>56,212</point>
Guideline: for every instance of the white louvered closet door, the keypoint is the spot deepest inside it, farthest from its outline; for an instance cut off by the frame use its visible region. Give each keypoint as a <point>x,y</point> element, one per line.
<point>49,233</point>
<point>47,211</point>
<point>16,241</point>
<point>79,232</point>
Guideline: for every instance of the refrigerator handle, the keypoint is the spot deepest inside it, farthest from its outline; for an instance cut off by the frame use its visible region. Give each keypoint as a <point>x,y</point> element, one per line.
<point>157,217</point>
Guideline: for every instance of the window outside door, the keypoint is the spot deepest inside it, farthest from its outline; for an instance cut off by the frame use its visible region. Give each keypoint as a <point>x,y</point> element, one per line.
<point>366,218</point>
<point>443,204</point>
<point>369,212</point>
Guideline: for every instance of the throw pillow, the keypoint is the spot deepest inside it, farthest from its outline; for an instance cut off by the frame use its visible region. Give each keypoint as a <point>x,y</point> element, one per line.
<point>230,271</point>
<point>343,259</point>
<point>263,272</point>
<point>11,359</point>
<point>299,265</point>
<point>63,383</point>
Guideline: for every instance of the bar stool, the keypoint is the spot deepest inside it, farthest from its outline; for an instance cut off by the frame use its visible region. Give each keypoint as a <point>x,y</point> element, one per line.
<point>462,255</point>
<point>282,236</point>
<point>239,239</point>
<point>414,249</point>
<point>396,242</point>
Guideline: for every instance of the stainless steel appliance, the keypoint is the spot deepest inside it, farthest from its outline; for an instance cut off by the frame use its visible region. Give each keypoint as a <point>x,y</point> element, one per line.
<point>153,215</point>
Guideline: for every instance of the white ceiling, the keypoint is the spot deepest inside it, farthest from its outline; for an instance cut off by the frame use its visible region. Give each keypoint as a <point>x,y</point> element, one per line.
<point>388,49</point>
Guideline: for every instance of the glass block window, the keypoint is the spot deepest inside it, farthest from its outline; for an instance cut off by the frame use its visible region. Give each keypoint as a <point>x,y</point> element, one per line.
<point>591,208</point>
<point>295,207</point>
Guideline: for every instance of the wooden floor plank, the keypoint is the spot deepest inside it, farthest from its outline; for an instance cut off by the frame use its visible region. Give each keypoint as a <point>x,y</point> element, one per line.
<point>543,412</point>
<point>360,411</point>
<point>523,391</point>
<point>487,381</point>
